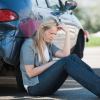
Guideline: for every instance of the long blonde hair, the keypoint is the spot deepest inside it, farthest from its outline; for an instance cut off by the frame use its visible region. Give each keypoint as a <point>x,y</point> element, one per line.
<point>39,36</point>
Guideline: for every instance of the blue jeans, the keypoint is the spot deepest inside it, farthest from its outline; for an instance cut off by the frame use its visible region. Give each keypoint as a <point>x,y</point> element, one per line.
<point>53,77</point>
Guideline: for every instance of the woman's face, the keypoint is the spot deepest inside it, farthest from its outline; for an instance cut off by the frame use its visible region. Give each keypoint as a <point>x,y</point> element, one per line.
<point>50,34</point>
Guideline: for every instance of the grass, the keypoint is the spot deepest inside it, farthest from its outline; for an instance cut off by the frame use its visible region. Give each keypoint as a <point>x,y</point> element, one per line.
<point>93,41</point>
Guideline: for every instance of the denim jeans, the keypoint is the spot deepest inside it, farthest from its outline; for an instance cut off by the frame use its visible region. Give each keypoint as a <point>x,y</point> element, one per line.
<point>51,79</point>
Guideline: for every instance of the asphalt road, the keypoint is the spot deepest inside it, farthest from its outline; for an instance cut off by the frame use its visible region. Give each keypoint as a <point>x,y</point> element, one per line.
<point>70,90</point>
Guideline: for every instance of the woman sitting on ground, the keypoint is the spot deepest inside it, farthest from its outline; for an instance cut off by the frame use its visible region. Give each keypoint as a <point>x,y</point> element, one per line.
<point>41,74</point>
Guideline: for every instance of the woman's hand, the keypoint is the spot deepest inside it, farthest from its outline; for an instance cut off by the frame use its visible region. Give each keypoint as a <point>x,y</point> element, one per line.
<point>67,28</point>
<point>64,27</point>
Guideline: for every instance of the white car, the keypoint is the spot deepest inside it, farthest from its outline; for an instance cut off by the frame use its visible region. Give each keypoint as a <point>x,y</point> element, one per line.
<point>63,12</point>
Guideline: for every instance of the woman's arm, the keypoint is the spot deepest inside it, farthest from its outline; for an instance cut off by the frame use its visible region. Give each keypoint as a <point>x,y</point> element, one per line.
<point>31,71</point>
<point>66,47</point>
<point>27,56</point>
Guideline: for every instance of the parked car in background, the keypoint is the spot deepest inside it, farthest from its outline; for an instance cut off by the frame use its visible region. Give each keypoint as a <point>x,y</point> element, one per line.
<point>19,19</point>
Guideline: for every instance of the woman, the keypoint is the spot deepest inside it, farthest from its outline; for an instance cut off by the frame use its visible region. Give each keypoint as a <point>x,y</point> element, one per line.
<point>41,74</point>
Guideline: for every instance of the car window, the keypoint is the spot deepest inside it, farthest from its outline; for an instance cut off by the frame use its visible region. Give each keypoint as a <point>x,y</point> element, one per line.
<point>40,3</point>
<point>53,2</point>
<point>34,3</point>
<point>45,3</point>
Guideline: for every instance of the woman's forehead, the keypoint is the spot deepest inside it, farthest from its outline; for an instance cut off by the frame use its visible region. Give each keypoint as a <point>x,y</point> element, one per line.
<point>53,29</point>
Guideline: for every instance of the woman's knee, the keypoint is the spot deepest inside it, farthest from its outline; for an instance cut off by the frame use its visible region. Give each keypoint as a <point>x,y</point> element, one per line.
<point>72,56</point>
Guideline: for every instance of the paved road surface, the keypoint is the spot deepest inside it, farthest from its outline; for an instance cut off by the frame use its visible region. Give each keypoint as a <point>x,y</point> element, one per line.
<point>71,90</point>
<point>92,56</point>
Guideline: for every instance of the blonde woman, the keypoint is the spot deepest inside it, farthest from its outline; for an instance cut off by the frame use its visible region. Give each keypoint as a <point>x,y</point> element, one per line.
<point>41,74</point>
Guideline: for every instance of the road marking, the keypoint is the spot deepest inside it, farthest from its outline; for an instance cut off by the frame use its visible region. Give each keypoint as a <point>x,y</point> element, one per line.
<point>76,88</point>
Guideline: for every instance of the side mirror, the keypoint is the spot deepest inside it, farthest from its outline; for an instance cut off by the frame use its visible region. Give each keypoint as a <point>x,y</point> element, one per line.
<point>70,5</point>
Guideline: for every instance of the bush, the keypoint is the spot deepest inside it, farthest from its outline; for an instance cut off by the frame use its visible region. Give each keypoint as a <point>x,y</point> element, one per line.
<point>93,41</point>
<point>89,18</point>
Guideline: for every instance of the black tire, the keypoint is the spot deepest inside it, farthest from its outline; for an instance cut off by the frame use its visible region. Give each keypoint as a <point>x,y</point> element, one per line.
<point>80,44</point>
<point>19,80</point>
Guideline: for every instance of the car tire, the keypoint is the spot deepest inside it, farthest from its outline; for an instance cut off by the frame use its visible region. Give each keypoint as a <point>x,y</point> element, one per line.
<point>19,80</point>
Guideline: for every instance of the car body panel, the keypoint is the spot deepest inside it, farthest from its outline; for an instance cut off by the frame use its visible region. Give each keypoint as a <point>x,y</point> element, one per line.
<point>11,40</point>
<point>9,44</point>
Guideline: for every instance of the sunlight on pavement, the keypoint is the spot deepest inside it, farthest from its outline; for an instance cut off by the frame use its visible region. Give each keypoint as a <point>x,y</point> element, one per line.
<point>92,56</point>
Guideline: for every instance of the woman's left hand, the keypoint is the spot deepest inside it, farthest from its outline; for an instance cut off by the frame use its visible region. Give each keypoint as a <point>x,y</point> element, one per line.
<point>64,27</point>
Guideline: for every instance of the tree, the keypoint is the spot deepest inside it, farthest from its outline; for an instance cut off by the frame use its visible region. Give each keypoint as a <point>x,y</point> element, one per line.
<point>89,17</point>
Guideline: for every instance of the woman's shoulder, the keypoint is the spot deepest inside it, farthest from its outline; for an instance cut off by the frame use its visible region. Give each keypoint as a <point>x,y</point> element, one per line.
<point>28,42</point>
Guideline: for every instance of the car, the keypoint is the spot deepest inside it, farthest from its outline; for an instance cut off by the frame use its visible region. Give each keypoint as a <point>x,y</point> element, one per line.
<point>20,18</point>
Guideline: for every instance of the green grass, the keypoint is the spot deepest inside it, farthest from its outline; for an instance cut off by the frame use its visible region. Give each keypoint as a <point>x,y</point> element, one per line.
<point>93,42</point>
